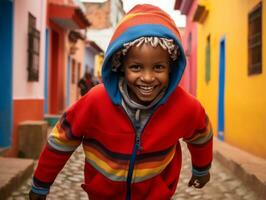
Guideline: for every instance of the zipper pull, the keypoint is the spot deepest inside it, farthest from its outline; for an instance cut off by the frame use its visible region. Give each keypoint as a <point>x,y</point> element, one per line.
<point>138,142</point>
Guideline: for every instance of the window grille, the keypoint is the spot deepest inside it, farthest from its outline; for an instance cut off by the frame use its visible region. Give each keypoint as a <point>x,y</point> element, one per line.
<point>255,40</point>
<point>33,50</point>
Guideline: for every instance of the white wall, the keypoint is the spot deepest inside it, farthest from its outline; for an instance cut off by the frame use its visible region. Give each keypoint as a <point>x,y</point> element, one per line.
<point>22,89</point>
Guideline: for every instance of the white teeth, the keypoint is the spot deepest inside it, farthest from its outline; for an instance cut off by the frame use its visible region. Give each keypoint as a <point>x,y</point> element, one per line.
<point>146,87</point>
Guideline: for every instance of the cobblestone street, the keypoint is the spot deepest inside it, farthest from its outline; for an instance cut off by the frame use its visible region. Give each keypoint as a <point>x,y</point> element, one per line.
<point>223,185</point>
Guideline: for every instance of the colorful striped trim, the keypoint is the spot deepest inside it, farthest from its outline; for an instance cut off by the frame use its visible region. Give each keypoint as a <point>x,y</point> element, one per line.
<point>61,137</point>
<point>202,171</point>
<point>201,136</point>
<point>115,165</point>
<point>40,187</point>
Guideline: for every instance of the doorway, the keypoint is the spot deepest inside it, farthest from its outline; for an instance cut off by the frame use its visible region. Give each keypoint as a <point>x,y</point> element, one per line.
<point>6,70</point>
<point>221,90</point>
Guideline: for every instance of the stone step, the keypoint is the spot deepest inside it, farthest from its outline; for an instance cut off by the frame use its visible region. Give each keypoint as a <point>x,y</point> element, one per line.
<point>13,172</point>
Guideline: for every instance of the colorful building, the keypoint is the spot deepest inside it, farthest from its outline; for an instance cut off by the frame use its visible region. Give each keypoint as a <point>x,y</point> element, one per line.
<point>189,41</point>
<point>36,54</point>
<point>92,59</point>
<point>22,69</point>
<point>65,58</point>
<point>230,70</point>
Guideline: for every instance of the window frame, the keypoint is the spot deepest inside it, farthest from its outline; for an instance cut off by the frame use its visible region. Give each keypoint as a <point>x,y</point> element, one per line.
<point>33,50</point>
<point>255,40</point>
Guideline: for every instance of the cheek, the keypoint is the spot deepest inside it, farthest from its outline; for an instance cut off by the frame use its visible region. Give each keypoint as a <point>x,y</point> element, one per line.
<point>130,77</point>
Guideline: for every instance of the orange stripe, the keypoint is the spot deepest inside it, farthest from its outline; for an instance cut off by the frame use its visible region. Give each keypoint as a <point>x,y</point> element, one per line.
<point>119,164</point>
<point>61,133</point>
<point>199,135</point>
<point>155,164</point>
<point>142,19</point>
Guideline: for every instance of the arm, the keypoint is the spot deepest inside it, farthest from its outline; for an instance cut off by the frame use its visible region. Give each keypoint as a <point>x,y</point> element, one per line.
<point>60,145</point>
<point>200,147</point>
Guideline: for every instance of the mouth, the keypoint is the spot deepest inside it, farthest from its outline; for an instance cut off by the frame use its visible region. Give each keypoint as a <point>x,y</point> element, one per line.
<point>146,90</point>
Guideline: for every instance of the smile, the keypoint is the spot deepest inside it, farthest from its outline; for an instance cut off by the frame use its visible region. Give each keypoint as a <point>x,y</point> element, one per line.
<point>146,90</point>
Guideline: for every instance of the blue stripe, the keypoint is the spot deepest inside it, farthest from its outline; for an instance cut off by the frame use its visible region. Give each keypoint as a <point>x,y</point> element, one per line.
<point>199,173</point>
<point>111,78</point>
<point>40,191</point>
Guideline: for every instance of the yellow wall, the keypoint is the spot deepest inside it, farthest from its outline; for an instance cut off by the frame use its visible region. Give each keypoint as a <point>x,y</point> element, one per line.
<point>98,65</point>
<point>245,96</point>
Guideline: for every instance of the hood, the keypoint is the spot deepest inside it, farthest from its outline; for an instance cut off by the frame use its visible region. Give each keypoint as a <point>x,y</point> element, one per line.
<point>142,20</point>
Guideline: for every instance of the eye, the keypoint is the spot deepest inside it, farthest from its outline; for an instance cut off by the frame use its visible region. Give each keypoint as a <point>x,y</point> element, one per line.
<point>135,67</point>
<point>159,68</point>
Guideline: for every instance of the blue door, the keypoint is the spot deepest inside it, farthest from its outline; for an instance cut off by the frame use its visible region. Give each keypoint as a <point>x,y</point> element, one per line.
<point>6,48</point>
<point>221,90</point>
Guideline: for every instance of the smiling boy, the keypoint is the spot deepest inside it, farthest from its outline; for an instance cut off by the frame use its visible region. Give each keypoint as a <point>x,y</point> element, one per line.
<point>131,125</point>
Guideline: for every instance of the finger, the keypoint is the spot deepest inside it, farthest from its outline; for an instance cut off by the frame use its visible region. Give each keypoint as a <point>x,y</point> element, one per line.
<point>190,183</point>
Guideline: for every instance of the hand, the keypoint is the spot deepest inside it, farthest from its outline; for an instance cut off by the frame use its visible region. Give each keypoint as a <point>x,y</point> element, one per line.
<point>34,196</point>
<point>199,181</point>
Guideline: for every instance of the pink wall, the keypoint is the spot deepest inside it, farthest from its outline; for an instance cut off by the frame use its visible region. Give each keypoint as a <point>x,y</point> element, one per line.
<point>189,80</point>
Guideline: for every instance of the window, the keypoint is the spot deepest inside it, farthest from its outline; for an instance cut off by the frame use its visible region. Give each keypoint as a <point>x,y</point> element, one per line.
<point>189,44</point>
<point>33,49</point>
<point>208,60</point>
<point>73,73</point>
<point>255,41</point>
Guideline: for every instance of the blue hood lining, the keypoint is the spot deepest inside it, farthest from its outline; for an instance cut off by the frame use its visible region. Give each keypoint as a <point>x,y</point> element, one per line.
<point>111,79</point>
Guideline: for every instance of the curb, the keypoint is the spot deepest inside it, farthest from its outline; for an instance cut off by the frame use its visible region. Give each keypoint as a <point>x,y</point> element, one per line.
<point>14,172</point>
<point>248,168</point>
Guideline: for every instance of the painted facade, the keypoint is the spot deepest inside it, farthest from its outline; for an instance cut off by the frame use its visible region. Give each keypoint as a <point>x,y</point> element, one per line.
<point>6,74</point>
<point>104,17</point>
<point>189,41</point>
<point>65,62</point>
<point>23,98</point>
<point>234,100</point>
<point>93,60</point>
<point>34,71</point>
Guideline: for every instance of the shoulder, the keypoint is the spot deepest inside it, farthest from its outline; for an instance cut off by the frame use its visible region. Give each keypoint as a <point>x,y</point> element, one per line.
<point>183,103</point>
<point>184,98</point>
<point>98,91</point>
<point>95,95</point>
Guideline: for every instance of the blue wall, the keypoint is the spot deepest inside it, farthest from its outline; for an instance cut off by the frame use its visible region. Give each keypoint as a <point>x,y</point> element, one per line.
<point>6,48</point>
<point>89,59</point>
<point>46,71</point>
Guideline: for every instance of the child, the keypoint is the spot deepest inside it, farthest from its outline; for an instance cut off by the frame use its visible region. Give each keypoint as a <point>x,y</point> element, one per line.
<point>130,126</point>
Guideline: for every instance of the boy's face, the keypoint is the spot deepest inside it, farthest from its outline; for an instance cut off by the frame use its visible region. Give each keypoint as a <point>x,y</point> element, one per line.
<point>146,72</point>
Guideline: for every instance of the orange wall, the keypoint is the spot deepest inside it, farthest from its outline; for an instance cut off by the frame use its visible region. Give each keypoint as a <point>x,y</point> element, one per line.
<point>24,109</point>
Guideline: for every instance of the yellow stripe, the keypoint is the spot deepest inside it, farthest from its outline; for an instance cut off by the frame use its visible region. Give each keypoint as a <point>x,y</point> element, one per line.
<point>146,172</point>
<point>200,135</point>
<point>121,172</point>
<point>103,165</point>
<point>56,136</point>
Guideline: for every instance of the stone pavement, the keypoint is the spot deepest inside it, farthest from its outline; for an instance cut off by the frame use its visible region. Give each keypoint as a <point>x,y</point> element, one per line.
<point>223,185</point>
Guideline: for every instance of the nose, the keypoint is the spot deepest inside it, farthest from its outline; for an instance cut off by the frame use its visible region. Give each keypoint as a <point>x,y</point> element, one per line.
<point>147,76</point>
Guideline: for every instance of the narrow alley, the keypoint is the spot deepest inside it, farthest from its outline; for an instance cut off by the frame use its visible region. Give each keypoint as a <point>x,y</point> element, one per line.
<point>204,72</point>
<point>223,185</point>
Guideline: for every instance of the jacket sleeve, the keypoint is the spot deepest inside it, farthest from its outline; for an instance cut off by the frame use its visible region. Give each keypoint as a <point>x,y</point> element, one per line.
<point>200,145</point>
<point>61,143</point>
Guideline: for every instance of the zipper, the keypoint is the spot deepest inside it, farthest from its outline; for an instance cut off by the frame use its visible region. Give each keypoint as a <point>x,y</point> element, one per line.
<point>137,147</point>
